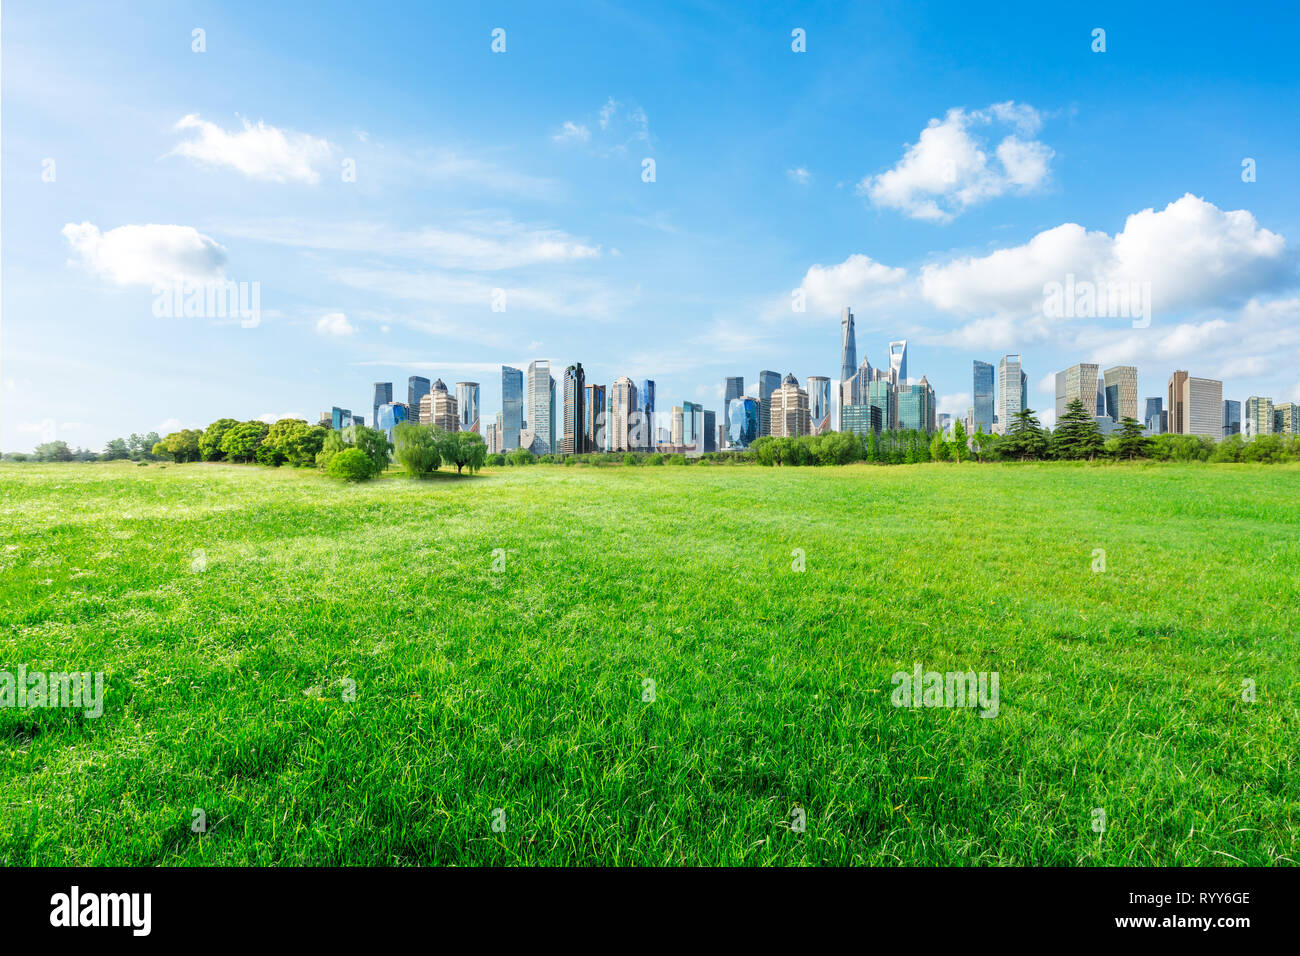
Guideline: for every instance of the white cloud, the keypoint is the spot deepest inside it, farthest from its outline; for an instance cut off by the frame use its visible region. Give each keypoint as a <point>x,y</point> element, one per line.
<point>853,282</point>
<point>259,151</point>
<point>799,175</point>
<point>335,324</point>
<point>955,404</point>
<point>949,170</point>
<point>572,132</point>
<point>271,417</point>
<point>168,426</point>
<point>147,254</point>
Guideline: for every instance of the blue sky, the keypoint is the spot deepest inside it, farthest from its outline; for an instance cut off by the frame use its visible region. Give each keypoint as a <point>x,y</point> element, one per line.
<point>930,165</point>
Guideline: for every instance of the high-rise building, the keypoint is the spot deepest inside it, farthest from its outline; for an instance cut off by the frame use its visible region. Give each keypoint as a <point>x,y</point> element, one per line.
<point>1286,419</point>
<point>492,437</point>
<point>1258,417</point>
<point>438,409</point>
<point>860,419</point>
<point>620,424</point>
<point>512,406</point>
<point>467,405</point>
<point>575,418</point>
<point>541,403</point>
<point>733,386</point>
<point>417,386</point>
<point>819,404</point>
<point>1101,398</point>
<point>1012,392</point>
<point>1152,417</point>
<point>1196,406</point>
<point>982,381</point>
<point>678,425</point>
<point>768,382</point>
<point>848,345</point>
<point>789,413</point>
<point>898,361</point>
<point>710,431</point>
<point>693,426</point>
<point>1231,418</point>
<point>883,396</point>
<point>1174,395</point>
<point>340,418</point>
<point>383,395</point>
<point>916,407</point>
<point>1121,392</point>
<point>644,397</point>
<point>594,417</point>
<point>1076,382</point>
<point>742,422</point>
<point>853,390</point>
<point>389,415</point>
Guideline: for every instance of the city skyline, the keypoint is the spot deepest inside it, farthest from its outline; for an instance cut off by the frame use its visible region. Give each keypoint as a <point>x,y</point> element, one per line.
<point>394,229</point>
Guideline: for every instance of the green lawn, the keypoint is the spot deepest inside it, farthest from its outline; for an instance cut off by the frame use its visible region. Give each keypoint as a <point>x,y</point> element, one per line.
<point>233,608</point>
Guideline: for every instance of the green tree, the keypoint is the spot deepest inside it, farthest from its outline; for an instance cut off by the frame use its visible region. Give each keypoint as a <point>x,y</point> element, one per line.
<point>210,443</point>
<point>240,443</point>
<point>417,448</point>
<point>1076,435</point>
<point>181,446</point>
<point>351,464</point>
<point>374,444</point>
<point>960,448</point>
<point>1024,440</point>
<point>54,451</point>
<point>1131,443</point>
<point>116,449</point>
<point>939,448</point>
<point>464,450</point>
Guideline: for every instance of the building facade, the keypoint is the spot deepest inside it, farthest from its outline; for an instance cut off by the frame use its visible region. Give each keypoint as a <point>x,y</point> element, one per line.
<point>898,361</point>
<point>438,409</point>
<point>742,422</point>
<point>1286,419</point>
<point>983,390</point>
<point>1231,418</point>
<point>1012,393</point>
<point>768,382</point>
<point>819,404</point>
<point>916,407</point>
<point>1258,417</point>
<point>861,419</point>
<point>467,395</point>
<point>733,386</point>
<point>541,406</point>
<point>1077,382</point>
<point>594,417</point>
<point>512,407</point>
<point>383,395</point>
<point>623,408</point>
<point>417,386</point>
<point>574,440</point>
<point>789,415</point>
<point>1121,398</point>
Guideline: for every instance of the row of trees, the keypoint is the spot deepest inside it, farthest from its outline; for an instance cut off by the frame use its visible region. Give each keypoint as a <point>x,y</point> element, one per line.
<point>135,448</point>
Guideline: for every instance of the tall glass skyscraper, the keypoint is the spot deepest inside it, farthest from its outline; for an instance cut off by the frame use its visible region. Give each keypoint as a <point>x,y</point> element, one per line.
<point>594,418</point>
<point>768,382</point>
<point>383,395</point>
<point>1231,417</point>
<point>983,408</point>
<point>733,386</point>
<point>848,346</point>
<point>417,386</point>
<point>1152,417</point>
<point>467,405</point>
<point>541,403</point>
<point>693,427</point>
<point>644,396</point>
<point>898,361</point>
<point>512,406</point>
<point>742,422</point>
<point>575,418</point>
<point>819,404</point>
<point>1012,392</point>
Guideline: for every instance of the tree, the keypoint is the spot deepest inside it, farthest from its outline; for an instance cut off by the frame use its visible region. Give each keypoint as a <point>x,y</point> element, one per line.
<point>374,444</point>
<point>1025,439</point>
<point>240,442</point>
<point>417,448</point>
<point>181,446</point>
<point>1132,443</point>
<point>331,446</point>
<point>521,456</point>
<point>1076,435</point>
<point>351,464</point>
<point>938,448</point>
<point>982,443</point>
<point>464,450</point>
<point>53,451</point>
<point>960,450</point>
<point>116,450</point>
<point>210,443</point>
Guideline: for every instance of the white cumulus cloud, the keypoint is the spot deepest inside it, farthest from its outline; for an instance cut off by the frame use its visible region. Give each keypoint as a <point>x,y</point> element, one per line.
<point>146,254</point>
<point>335,324</point>
<point>259,151</point>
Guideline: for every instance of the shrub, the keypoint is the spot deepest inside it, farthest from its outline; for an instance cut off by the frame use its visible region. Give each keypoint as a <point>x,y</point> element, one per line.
<point>351,464</point>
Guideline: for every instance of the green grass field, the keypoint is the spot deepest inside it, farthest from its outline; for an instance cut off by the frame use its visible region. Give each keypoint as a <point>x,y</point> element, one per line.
<point>231,607</point>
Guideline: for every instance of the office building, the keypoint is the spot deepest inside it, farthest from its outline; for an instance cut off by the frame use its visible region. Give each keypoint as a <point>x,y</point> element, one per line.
<point>438,408</point>
<point>898,362</point>
<point>982,383</point>
<point>819,404</point>
<point>541,405</point>
<point>1195,405</point>
<point>512,407</point>
<point>789,415</point>
<point>1121,392</point>
<point>733,386</point>
<point>383,395</point>
<point>340,418</point>
<point>916,407</point>
<point>693,426</point>
<point>677,430</point>
<point>467,394</point>
<point>848,345</point>
<point>574,440</point>
<point>1013,393</point>
<point>742,422</point>
<point>417,386</point>
<point>1153,417</point>
<point>1076,382</point>
<point>1231,418</point>
<point>645,404</point>
<point>1286,419</point>
<point>710,431</point>
<point>594,417</point>
<point>883,396</point>
<point>624,409</point>
<point>768,382</point>
<point>389,415</point>
<point>1257,418</point>
<point>1101,398</point>
<point>860,419</point>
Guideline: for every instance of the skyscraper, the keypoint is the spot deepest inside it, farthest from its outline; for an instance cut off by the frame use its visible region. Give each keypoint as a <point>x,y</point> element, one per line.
<point>916,407</point>
<point>678,432</point>
<point>417,386</point>
<point>623,407</point>
<point>848,345</point>
<point>467,405</point>
<point>438,409</point>
<point>733,386</point>
<point>1153,418</point>
<point>383,395</point>
<point>1012,390</point>
<point>573,440</point>
<point>1286,419</point>
<point>594,419</point>
<point>512,406</point>
<point>1177,414</point>
<point>1077,381</point>
<point>1101,398</point>
<point>883,396</point>
<point>898,361</point>
<point>982,382</point>
<point>1195,405</point>
<point>789,415</point>
<point>541,402</point>
<point>819,404</point>
<point>710,431</point>
<point>1231,418</point>
<point>643,397</point>
<point>1258,417</point>
<point>768,382</point>
<point>1121,387</point>
<point>742,417</point>
<point>693,427</point>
